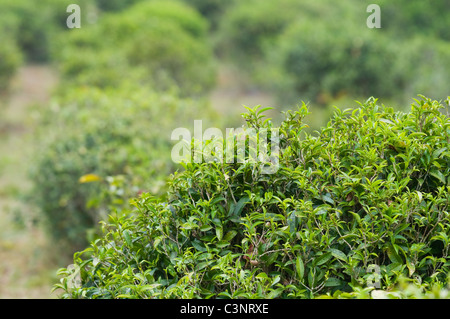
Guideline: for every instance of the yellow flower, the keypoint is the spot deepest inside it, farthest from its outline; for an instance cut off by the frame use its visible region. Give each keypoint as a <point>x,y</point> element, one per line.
<point>89,178</point>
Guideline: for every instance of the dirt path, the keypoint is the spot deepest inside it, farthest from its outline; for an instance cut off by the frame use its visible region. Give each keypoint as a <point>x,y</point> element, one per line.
<point>25,270</point>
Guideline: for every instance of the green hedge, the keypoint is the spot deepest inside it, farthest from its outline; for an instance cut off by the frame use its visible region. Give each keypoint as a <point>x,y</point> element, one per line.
<point>368,190</point>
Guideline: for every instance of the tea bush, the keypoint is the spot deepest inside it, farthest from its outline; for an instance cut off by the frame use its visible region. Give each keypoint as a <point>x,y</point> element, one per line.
<point>422,61</point>
<point>249,28</point>
<point>303,49</point>
<point>430,21</point>
<point>371,189</point>
<point>323,51</point>
<point>22,25</point>
<point>136,42</point>
<point>210,9</point>
<point>322,61</point>
<point>106,133</point>
<point>249,25</point>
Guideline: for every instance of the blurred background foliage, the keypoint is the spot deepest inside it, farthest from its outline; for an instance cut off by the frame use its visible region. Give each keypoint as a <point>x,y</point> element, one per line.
<point>159,44</point>
<point>322,52</point>
<point>315,51</point>
<point>137,69</point>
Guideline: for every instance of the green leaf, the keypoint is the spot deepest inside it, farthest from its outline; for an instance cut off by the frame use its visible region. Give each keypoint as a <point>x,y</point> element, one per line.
<point>198,245</point>
<point>208,237</point>
<point>217,200</point>
<point>222,244</point>
<point>205,227</point>
<point>327,198</point>
<point>300,267</point>
<point>338,254</point>
<point>262,276</point>
<point>203,264</point>
<point>230,235</point>
<point>292,222</point>
<point>356,216</point>
<point>270,258</point>
<point>410,266</point>
<point>239,206</point>
<point>150,287</point>
<point>393,255</point>
<point>219,233</point>
<point>439,152</point>
<point>419,194</point>
<point>320,211</point>
<point>323,259</point>
<point>311,278</point>
<point>438,175</point>
<point>263,110</point>
<point>333,282</point>
<point>274,294</point>
<point>126,235</point>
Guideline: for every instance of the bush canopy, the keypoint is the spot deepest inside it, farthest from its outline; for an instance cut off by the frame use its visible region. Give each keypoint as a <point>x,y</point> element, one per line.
<point>369,190</point>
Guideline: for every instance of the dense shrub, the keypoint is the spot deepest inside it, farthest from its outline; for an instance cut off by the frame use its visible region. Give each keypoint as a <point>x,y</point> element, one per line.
<point>210,9</point>
<point>423,63</point>
<point>159,44</point>
<point>321,61</point>
<point>26,27</point>
<point>323,51</point>
<point>304,49</point>
<point>406,18</point>
<point>249,25</point>
<point>370,189</point>
<point>123,131</point>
